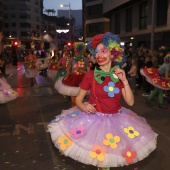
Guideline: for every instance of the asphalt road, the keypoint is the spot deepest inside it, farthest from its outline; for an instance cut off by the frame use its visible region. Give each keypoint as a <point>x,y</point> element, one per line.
<point>26,144</point>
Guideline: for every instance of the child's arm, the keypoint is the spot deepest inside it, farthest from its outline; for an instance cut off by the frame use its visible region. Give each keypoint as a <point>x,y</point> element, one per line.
<point>89,108</point>
<point>167,75</point>
<point>126,91</point>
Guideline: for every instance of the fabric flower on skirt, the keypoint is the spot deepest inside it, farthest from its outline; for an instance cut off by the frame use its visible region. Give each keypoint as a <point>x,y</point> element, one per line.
<point>57,118</point>
<point>149,71</point>
<point>76,133</point>
<point>129,155</point>
<point>6,93</point>
<point>111,89</point>
<point>73,114</point>
<point>98,152</point>
<point>111,140</point>
<point>64,142</point>
<point>131,132</point>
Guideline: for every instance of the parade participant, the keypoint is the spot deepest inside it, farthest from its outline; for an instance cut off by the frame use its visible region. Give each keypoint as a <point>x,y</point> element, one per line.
<point>31,68</point>
<point>53,69</point>
<point>77,67</point>
<point>160,79</point>
<point>6,92</point>
<point>102,132</point>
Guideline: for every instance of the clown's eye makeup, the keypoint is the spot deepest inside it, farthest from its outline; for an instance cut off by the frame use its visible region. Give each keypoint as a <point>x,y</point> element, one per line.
<point>105,50</point>
<point>101,51</point>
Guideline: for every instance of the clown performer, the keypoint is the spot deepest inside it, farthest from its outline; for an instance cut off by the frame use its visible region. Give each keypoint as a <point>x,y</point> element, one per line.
<point>102,132</point>
<point>76,68</point>
<point>31,68</point>
<point>160,79</point>
<point>6,92</point>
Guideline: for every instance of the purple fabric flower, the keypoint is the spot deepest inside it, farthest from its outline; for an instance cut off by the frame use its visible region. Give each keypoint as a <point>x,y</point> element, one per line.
<point>111,89</point>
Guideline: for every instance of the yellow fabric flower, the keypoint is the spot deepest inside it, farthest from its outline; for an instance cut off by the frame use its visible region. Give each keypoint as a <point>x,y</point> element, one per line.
<point>98,152</point>
<point>64,142</point>
<point>111,140</point>
<point>131,132</point>
<point>149,71</point>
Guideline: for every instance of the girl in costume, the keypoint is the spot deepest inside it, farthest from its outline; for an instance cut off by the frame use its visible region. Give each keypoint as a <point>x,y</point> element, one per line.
<point>6,92</point>
<point>160,79</point>
<point>77,67</point>
<point>53,67</point>
<point>31,68</point>
<point>102,132</point>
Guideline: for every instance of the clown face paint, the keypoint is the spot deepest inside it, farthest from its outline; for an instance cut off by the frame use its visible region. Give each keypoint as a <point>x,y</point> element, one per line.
<point>103,55</point>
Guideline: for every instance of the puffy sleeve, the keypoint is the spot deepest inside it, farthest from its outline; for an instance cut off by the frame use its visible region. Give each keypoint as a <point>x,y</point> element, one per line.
<point>87,81</point>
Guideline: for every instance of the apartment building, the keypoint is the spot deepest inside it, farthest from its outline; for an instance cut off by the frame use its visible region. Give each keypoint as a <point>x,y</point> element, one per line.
<point>21,20</point>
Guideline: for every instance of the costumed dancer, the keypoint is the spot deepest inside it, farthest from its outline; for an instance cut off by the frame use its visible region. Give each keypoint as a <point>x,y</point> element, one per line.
<point>53,67</point>
<point>76,68</point>
<point>6,92</point>
<point>62,66</point>
<point>31,68</point>
<point>160,79</point>
<point>102,132</point>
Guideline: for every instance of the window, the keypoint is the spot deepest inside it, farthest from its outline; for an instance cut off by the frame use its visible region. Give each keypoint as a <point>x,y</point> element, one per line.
<point>13,24</point>
<point>25,16</point>
<point>117,23</point>
<point>95,10</point>
<point>25,25</point>
<point>13,15</point>
<point>94,28</point>
<point>6,25</point>
<point>143,16</point>
<point>128,19</point>
<point>25,7</point>
<point>24,34</point>
<point>36,2</point>
<point>162,8</point>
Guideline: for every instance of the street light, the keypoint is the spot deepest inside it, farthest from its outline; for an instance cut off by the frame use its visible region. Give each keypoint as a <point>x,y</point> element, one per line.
<point>62,5</point>
<point>69,10</point>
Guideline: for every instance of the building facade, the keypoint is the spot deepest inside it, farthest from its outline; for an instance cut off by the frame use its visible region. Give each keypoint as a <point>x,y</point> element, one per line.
<point>140,23</point>
<point>21,20</point>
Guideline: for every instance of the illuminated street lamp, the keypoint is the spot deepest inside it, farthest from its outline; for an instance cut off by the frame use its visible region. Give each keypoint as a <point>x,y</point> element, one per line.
<point>62,5</point>
<point>69,10</point>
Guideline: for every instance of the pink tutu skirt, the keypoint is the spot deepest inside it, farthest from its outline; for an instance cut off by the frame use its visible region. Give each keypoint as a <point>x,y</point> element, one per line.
<point>154,78</point>
<point>103,140</point>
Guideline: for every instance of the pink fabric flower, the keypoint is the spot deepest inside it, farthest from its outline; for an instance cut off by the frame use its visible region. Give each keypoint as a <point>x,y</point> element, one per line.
<point>76,133</point>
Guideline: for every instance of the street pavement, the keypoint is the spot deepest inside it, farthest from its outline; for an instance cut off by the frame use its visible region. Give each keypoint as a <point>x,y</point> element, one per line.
<point>25,142</point>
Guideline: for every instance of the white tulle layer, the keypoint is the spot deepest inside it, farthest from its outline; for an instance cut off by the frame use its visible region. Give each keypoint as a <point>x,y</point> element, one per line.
<point>52,74</point>
<point>65,90</point>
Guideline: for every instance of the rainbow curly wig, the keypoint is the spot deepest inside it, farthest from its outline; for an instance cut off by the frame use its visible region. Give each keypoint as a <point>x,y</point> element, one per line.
<point>111,42</point>
<point>167,58</point>
<point>79,47</point>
